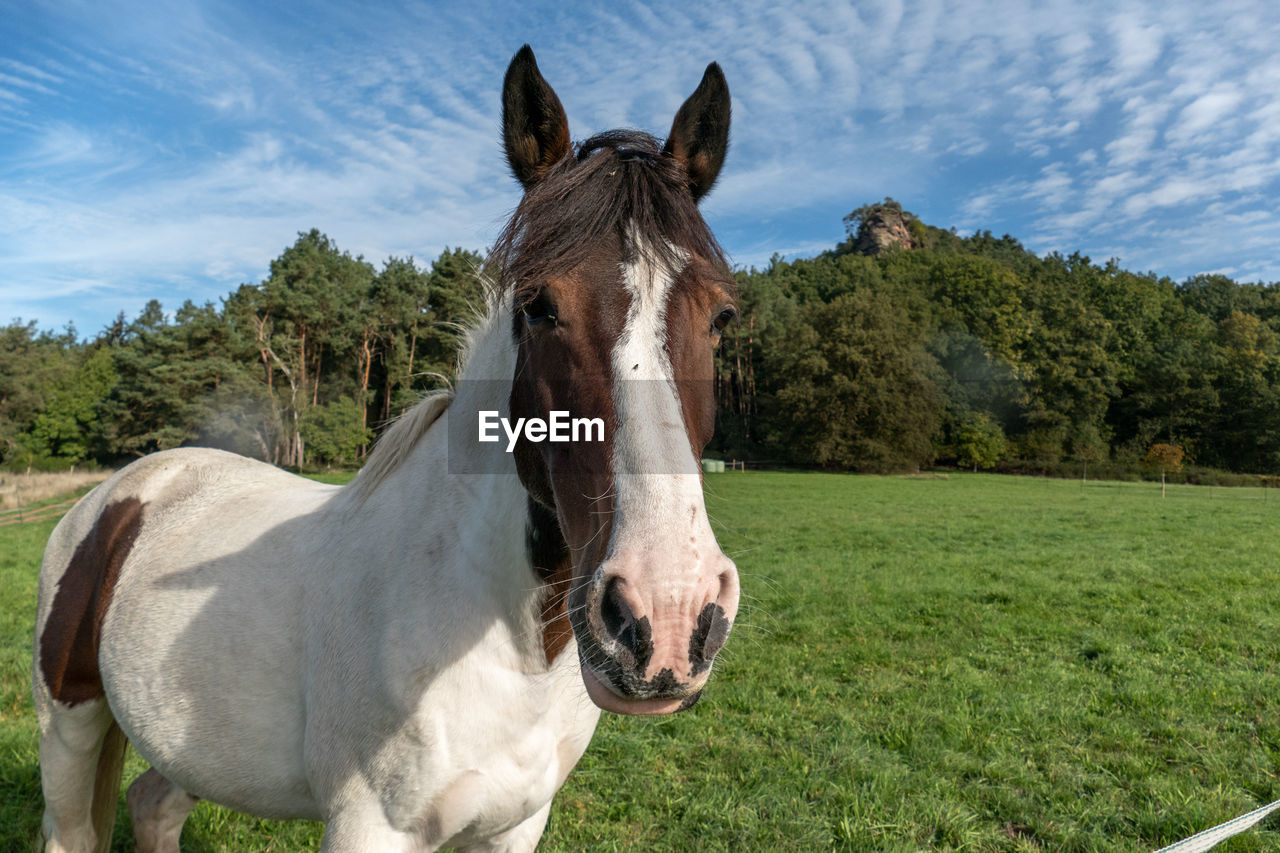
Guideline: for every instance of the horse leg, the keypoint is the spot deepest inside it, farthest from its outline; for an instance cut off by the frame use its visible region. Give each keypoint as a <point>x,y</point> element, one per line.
<point>521,838</point>
<point>158,808</point>
<point>360,830</point>
<point>81,759</point>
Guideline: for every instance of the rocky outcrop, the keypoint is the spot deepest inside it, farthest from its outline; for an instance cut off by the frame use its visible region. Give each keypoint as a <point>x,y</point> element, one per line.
<point>885,227</point>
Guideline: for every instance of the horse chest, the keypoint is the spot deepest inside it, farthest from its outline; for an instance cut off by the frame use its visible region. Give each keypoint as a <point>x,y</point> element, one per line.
<point>511,785</point>
<point>457,778</point>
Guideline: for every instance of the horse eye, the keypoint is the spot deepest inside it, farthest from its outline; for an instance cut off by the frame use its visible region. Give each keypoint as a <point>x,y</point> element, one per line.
<point>539,310</point>
<point>724,318</point>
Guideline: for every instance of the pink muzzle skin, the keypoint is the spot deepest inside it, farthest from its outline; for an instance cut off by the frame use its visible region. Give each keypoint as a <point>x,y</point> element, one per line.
<point>650,641</point>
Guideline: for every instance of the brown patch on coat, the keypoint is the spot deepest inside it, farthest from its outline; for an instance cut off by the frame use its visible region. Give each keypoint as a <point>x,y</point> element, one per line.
<point>549,556</point>
<point>567,366</point>
<point>556,630</point>
<point>69,642</point>
<point>701,291</point>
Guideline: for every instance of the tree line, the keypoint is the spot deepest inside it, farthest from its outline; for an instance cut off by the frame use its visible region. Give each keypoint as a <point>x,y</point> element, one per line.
<point>301,369</point>
<point>974,351</point>
<point>902,347</point>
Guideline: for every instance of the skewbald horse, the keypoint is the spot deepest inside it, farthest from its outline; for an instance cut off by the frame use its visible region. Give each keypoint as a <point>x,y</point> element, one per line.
<point>420,658</point>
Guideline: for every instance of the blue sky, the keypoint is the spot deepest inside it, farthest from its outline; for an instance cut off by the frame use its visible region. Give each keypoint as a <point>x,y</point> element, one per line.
<point>171,149</point>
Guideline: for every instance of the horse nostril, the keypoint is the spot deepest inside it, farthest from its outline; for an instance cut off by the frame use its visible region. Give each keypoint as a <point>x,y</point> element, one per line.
<point>708,638</point>
<point>615,614</point>
<point>633,637</point>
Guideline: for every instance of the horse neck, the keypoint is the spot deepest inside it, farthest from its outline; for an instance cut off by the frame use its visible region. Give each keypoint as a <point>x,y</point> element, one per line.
<point>467,509</point>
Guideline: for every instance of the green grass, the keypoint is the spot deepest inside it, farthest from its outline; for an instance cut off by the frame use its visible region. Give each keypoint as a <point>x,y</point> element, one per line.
<point>975,663</point>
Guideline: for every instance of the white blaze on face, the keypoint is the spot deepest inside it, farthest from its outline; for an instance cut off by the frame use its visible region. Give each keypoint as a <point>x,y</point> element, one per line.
<point>651,436</point>
<point>662,543</point>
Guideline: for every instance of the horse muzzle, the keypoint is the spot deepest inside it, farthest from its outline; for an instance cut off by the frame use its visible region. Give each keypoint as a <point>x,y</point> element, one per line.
<point>649,637</point>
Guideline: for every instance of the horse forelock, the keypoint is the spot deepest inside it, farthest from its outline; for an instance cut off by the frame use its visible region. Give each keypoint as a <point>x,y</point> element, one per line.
<point>619,189</point>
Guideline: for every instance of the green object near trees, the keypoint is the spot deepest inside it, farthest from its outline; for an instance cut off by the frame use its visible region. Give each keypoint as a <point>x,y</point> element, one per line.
<point>335,432</point>
<point>980,442</point>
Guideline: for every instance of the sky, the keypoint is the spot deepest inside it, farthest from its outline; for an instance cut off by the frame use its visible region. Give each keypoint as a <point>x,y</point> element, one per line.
<point>170,150</point>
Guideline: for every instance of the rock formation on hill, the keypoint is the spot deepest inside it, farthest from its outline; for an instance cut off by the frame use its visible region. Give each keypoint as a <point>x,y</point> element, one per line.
<point>877,228</point>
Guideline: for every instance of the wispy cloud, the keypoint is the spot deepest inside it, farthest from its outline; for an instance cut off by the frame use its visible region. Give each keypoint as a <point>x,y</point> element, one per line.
<point>173,155</point>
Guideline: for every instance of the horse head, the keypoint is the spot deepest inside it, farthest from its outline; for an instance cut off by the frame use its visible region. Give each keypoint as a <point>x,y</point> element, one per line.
<point>619,294</point>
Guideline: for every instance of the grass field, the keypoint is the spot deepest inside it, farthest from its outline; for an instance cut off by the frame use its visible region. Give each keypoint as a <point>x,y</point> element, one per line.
<point>19,491</point>
<point>973,663</point>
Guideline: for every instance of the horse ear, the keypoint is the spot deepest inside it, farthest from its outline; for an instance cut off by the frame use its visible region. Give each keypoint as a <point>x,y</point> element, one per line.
<point>700,133</point>
<point>534,127</point>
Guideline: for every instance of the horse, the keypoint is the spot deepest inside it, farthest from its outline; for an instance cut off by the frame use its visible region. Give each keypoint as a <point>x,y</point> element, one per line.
<point>420,657</point>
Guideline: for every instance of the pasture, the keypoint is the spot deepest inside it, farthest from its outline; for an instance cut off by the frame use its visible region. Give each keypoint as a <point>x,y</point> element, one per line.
<point>19,491</point>
<point>972,663</point>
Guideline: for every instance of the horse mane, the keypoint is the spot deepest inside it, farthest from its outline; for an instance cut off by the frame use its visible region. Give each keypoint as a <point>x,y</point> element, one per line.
<point>617,186</point>
<point>398,439</point>
<point>394,444</point>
